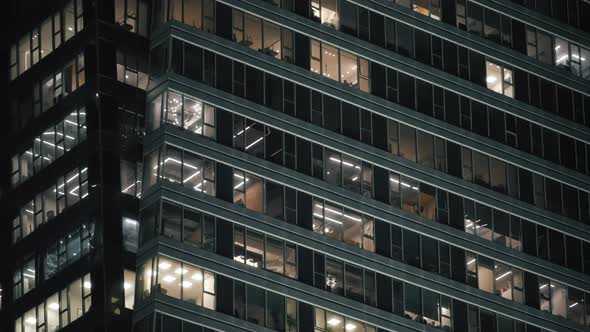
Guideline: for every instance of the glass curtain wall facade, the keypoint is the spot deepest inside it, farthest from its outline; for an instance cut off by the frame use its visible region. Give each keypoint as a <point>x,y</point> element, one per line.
<point>229,102</point>
<point>75,80</point>
<point>298,166</point>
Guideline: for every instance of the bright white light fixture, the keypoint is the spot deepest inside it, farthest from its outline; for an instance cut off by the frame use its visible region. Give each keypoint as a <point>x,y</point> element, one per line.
<point>491,79</point>
<point>333,321</point>
<point>187,284</point>
<point>168,278</point>
<point>87,285</point>
<point>31,321</point>
<point>350,327</point>
<point>504,275</point>
<point>164,265</point>
<point>53,306</point>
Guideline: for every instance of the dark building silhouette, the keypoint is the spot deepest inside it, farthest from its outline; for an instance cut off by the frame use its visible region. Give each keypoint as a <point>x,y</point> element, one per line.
<point>296,165</point>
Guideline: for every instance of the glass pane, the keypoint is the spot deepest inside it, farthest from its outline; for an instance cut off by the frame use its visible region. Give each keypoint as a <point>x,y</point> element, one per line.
<point>254,249</point>
<point>193,115</point>
<point>171,218</point>
<point>352,225</point>
<point>69,20</point>
<point>30,321</point>
<point>333,221</point>
<point>192,285</point>
<point>255,305</point>
<point>129,288</point>
<point>485,274</point>
<point>330,61</point>
<point>46,38</point>
<point>558,299</point>
<point>192,168</point>
<point>172,165</point>
<point>130,234</point>
<point>348,69</point>
<point>192,13</point>
<point>503,280</point>
<point>76,308</point>
<point>335,322</point>
<point>169,272</point>
<point>272,40</point>
<point>253,31</point>
<point>52,313</point>
<point>275,317</point>
<point>354,282</point>
<point>254,193</point>
<point>274,255</point>
<point>192,229</point>
<point>173,109</point>
<point>562,53</point>
<point>351,173</point>
<point>494,77</point>
<point>334,276</point>
<point>410,193</point>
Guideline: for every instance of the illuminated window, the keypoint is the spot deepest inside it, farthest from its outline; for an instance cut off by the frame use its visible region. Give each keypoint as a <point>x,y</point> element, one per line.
<point>339,65</point>
<point>129,288</point>
<point>325,12</point>
<point>499,79</point>
<point>59,310</point>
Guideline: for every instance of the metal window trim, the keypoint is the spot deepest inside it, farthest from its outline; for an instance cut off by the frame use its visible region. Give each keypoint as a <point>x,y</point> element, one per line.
<point>477,43</point>
<point>535,19</point>
<point>195,314</point>
<point>309,294</point>
<point>372,155</point>
<point>424,72</point>
<point>285,286</point>
<point>364,205</point>
<point>384,108</point>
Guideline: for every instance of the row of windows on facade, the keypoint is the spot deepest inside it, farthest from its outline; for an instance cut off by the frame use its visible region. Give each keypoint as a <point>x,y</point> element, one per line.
<point>67,305</point>
<point>544,47</point>
<point>133,15</point>
<point>570,12</point>
<point>429,49</point>
<point>341,65</point>
<point>46,93</point>
<point>329,321</point>
<point>31,272</point>
<point>256,91</point>
<point>469,114</point>
<point>329,209</point>
<point>58,310</point>
<point>164,323</point>
<point>329,219</point>
<point>189,283</point>
<point>45,38</point>
<point>266,37</point>
<point>350,173</point>
<point>260,251</point>
<point>198,286</point>
<point>49,146</point>
<point>66,191</point>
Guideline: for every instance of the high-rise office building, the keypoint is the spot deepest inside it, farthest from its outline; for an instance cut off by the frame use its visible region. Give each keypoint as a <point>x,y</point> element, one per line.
<point>296,166</point>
